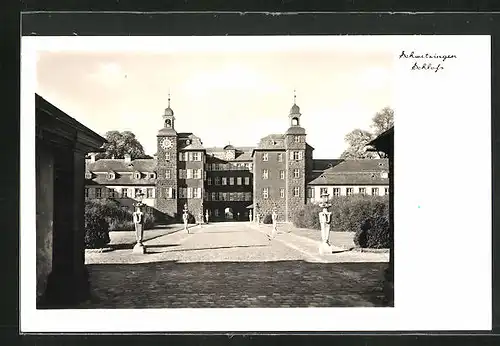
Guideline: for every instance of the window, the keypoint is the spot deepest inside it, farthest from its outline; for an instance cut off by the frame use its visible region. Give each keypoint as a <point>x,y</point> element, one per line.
<point>232,196</point>
<point>216,212</point>
<point>137,175</point>
<point>247,180</point>
<point>124,193</point>
<point>224,181</point>
<point>196,173</point>
<point>296,155</point>
<point>375,191</point>
<point>170,192</point>
<point>296,139</point>
<point>209,167</point>
<point>282,175</point>
<point>98,192</point>
<point>217,180</point>
<point>112,193</point>
<point>137,192</point>
<point>296,173</point>
<point>167,174</point>
<point>182,174</point>
<point>196,156</point>
<point>189,173</point>
<point>196,192</point>
<point>204,175</point>
<point>362,191</point>
<point>310,192</point>
<point>296,192</point>
<point>336,191</point>
<point>265,192</point>
<point>182,192</point>
<point>280,157</point>
<point>265,174</point>
<point>386,191</point>
<point>231,181</point>
<point>167,157</point>
<point>152,175</point>
<point>149,193</point>
<point>86,192</point>
<point>248,196</point>
<point>282,192</point>
<point>238,181</point>
<point>181,157</point>
<point>224,196</point>
<point>348,191</point>
<point>214,196</point>
<point>323,191</point>
<point>265,156</point>
<point>209,181</point>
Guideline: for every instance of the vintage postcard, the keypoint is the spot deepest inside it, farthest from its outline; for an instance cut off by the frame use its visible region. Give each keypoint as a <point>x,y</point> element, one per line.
<point>255,183</point>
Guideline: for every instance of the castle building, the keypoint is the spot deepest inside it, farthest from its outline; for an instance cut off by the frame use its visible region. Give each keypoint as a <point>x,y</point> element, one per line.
<point>231,182</point>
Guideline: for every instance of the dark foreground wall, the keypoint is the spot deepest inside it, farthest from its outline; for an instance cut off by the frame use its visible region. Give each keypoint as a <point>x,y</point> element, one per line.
<point>61,146</point>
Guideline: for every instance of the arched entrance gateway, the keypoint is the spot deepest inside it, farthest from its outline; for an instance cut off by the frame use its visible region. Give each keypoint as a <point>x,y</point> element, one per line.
<point>228,213</point>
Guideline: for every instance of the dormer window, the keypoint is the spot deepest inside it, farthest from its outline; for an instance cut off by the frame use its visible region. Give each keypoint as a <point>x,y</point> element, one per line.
<point>111,175</point>
<point>188,141</point>
<point>384,175</point>
<point>137,175</point>
<point>272,141</point>
<point>88,175</point>
<point>152,175</point>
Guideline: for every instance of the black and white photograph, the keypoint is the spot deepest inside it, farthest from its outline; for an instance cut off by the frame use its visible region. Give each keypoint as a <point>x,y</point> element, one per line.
<point>234,174</point>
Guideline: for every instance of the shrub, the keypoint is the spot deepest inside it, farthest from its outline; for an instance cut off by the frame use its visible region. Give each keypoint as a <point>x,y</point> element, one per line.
<point>373,233</point>
<point>96,227</point>
<point>349,214</point>
<point>268,219</point>
<point>120,217</point>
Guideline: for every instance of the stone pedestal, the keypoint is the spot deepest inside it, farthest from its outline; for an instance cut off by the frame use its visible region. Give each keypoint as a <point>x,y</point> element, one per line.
<point>139,248</point>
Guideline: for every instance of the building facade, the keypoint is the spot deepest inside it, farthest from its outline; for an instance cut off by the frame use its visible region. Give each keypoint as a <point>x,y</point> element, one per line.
<point>230,182</point>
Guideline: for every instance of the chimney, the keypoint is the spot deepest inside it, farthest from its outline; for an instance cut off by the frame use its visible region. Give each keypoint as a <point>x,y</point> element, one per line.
<point>92,157</point>
<point>127,158</point>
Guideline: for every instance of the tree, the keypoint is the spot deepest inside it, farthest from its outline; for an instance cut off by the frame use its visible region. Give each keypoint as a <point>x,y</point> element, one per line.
<point>121,143</point>
<point>358,139</point>
<point>382,121</point>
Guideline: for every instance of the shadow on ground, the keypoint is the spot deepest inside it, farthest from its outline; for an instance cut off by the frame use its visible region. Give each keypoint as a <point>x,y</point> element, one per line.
<point>173,284</point>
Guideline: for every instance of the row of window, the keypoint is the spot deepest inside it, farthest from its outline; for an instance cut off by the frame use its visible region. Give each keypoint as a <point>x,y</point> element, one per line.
<point>294,156</point>
<point>296,174</point>
<point>235,166</point>
<point>98,192</point>
<point>190,156</point>
<point>228,196</point>
<point>349,191</point>
<point>187,174</point>
<point>265,192</point>
<point>228,180</point>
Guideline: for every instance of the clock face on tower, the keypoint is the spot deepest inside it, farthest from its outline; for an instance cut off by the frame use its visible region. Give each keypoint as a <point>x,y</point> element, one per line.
<point>166,143</point>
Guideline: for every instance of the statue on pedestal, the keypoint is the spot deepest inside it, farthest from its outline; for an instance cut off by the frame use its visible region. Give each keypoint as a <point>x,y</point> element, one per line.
<point>138,217</point>
<point>325,218</point>
<point>185,218</point>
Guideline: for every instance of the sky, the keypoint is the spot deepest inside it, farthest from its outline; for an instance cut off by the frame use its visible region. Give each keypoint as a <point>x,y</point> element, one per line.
<point>224,92</point>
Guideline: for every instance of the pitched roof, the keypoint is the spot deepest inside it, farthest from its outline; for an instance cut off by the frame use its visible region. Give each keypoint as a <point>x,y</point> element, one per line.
<point>119,165</point>
<point>323,164</point>
<point>354,172</point>
<point>121,179</point>
<point>273,141</point>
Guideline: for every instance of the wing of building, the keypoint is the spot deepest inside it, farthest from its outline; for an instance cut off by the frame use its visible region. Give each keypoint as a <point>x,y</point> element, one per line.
<point>233,182</point>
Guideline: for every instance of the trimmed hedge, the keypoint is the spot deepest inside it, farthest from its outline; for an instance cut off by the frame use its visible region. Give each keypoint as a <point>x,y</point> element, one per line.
<point>366,216</point>
<point>96,227</point>
<point>119,217</point>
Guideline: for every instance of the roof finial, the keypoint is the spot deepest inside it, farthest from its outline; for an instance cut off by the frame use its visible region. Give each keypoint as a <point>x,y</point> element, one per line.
<point>168,97</point>
<point>294,96</point>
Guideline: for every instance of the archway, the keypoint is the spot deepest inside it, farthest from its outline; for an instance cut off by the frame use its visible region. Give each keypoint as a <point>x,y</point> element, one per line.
<point>228,213</point>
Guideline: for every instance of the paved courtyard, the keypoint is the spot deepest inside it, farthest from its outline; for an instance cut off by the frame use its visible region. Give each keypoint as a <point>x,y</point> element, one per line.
<point>231,265</point>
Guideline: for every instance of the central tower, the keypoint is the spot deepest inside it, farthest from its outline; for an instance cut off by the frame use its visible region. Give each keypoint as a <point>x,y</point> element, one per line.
<point>295,148</point>
<point>166,182</point>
